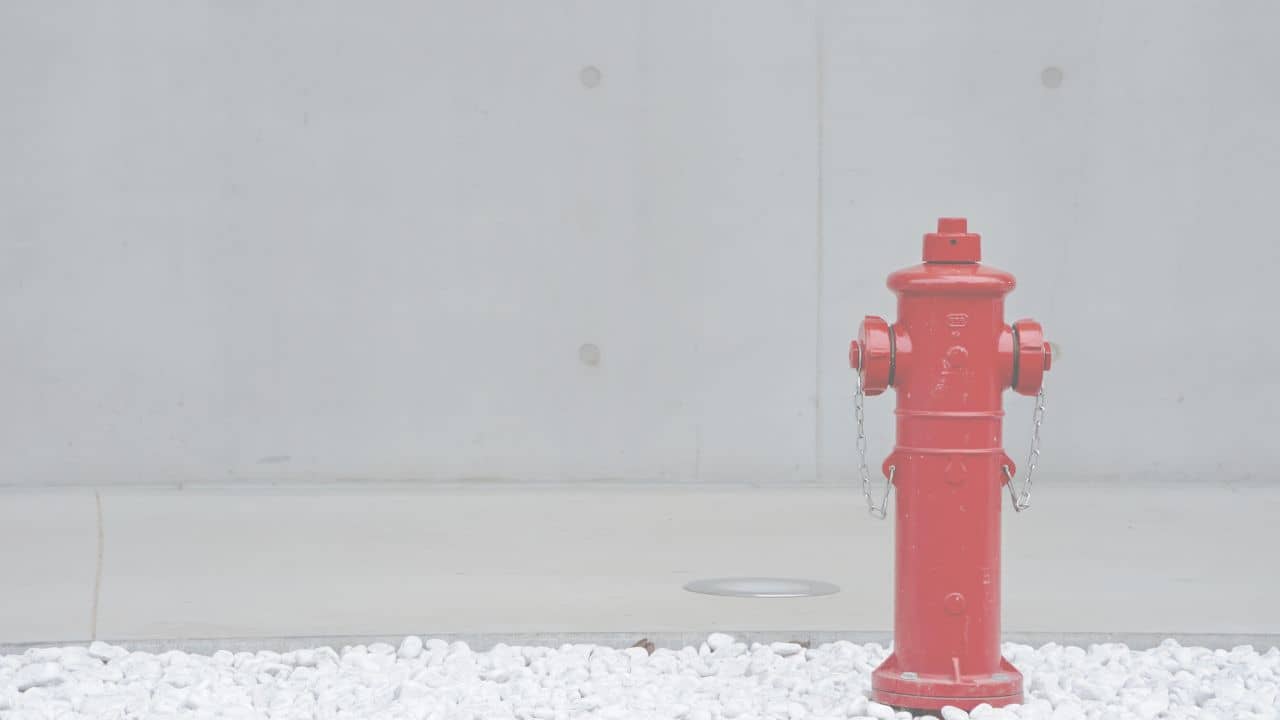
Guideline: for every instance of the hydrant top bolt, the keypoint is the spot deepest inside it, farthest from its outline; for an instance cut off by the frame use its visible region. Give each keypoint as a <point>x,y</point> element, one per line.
<point>952,243</point>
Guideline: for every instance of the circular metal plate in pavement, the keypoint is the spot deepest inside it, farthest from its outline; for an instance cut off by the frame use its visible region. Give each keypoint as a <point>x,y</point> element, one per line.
<point>762,587</point>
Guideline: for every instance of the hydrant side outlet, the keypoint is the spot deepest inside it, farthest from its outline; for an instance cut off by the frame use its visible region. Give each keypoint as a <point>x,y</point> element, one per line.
<point>950,356</point>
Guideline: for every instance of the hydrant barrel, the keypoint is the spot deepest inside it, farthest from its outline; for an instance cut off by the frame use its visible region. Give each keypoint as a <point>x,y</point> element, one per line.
<point>951,356</point>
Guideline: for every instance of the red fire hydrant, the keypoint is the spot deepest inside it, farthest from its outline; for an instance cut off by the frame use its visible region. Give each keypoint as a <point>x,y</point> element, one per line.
<point>950,356</point>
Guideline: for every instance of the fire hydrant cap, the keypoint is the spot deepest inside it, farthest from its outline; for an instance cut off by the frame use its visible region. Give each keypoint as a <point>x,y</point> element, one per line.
<point>952,243</point>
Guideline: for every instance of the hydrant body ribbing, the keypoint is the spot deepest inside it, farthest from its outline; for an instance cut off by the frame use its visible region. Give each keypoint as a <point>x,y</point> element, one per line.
<point>950,357</point>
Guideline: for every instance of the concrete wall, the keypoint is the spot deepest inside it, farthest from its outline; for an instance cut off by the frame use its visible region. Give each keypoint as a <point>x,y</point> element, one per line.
<point>300,242</point>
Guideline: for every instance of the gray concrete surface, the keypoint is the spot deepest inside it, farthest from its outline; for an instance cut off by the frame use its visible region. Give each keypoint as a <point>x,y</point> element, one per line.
<point>430,252</point>
<point>244,567</point>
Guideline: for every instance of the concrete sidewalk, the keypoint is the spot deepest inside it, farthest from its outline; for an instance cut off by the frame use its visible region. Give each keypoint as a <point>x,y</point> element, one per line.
<point>546,562</point>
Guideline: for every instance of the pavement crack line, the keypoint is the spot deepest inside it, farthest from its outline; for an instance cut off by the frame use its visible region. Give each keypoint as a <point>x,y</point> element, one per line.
<point>97,573</point>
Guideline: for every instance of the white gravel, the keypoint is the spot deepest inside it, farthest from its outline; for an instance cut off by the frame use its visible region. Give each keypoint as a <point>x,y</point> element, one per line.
<point>721,679</point>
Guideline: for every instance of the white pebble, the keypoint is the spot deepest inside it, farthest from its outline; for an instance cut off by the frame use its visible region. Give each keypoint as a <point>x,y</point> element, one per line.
<point>785,649</point>
<point>718,640</point>
<point>1067,711</point>
<point>951,712</point>
<point>105,652</point>
<point>884,712</point>
<point>410,647</point>
<point>38,675</point>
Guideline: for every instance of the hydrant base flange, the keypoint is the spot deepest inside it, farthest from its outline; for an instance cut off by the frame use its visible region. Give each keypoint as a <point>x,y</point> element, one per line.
<point>920,702</point>
<point>915,691</point>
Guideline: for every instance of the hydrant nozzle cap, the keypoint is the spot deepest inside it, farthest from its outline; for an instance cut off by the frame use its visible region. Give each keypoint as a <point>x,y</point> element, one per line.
<point>952,243</point>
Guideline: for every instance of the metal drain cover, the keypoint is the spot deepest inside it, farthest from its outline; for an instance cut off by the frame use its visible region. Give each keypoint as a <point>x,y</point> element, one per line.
<point>762,587</point>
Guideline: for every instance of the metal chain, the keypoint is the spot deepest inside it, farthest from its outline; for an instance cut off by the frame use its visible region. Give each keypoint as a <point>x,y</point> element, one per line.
<point>1022,499</point>
<point>876,510</point>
